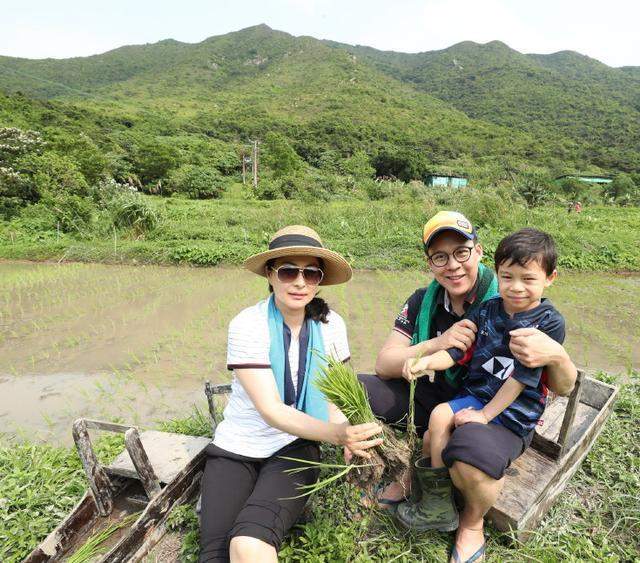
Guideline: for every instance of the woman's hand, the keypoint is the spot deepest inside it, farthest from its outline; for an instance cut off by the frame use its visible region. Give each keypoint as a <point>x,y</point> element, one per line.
<point>460,335</point>
<point>534,349</point>
<point>356,439</point>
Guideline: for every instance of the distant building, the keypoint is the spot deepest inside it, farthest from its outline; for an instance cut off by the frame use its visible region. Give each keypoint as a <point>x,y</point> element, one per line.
<point>586,179</point>
<point>446,181</point>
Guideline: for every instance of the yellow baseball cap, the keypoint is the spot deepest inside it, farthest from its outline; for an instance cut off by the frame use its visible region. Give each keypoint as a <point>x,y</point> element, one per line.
<point>447,221</point>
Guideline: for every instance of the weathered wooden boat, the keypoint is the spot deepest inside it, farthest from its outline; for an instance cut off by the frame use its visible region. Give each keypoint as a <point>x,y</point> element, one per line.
<point>534,481</point>
<point>156,472</point>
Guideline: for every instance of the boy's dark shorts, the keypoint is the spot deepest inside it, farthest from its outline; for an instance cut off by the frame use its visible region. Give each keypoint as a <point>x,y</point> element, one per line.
<point>489,447</point>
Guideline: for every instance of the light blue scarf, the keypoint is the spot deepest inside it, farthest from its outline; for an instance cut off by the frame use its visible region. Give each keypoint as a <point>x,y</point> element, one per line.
<point>310,399</point>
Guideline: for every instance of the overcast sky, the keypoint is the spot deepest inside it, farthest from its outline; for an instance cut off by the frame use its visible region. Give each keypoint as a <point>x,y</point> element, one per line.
<point>607,30</point>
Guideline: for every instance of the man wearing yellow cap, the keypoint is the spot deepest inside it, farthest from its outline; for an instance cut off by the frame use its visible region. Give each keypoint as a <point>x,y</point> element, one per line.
<point>433,319</point>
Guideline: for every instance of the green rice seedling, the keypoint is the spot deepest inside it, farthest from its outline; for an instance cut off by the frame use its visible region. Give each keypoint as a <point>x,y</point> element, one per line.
<point>95,544</point>
<point>340,385</point>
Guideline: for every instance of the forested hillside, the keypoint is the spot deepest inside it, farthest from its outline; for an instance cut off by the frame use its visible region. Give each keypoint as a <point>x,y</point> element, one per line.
<point>457,107</point>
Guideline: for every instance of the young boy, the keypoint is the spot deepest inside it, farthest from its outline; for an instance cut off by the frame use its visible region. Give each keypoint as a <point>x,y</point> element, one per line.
<point>497,389</point>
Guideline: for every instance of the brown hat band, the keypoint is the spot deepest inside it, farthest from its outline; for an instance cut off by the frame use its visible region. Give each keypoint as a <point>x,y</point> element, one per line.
<point>294,240</point>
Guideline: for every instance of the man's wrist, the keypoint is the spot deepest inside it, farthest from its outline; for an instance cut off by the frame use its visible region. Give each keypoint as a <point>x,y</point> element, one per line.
<point>487,417</point>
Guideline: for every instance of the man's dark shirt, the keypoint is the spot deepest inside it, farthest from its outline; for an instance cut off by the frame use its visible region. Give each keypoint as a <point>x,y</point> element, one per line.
<point>443,319</point>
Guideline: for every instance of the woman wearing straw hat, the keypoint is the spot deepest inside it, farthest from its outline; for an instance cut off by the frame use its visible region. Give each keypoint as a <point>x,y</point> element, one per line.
<point>274,409</point>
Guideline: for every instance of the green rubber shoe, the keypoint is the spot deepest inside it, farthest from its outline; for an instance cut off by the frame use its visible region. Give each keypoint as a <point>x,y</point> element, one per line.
<point>435,509</point>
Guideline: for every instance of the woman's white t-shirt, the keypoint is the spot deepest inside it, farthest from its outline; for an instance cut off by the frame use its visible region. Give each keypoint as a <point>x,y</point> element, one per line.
<point>243,430</point>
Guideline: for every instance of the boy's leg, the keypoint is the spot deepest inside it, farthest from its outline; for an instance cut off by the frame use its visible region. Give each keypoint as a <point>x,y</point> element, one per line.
<point>440,427</point>
<point>477,456</point>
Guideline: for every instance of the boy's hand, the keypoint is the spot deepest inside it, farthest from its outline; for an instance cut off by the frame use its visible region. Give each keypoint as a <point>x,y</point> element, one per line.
<point>414,368</point>
<point>469,415</point>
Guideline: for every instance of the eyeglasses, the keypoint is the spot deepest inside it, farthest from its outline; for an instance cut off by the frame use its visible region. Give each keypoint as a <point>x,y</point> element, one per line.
<point>288,274</point>
<point>441,258</point>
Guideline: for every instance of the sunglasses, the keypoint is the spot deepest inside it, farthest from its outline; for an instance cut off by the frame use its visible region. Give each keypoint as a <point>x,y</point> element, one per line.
<point>288,274</point>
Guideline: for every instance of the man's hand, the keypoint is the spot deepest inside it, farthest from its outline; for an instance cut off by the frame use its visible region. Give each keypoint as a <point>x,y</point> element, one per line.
<point>417,367</point>
<point>534,349</point>
<point>469,415</point>
<point>461,335</point>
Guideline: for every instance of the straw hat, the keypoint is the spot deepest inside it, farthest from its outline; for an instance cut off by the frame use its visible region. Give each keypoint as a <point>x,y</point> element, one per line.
<point>297,240</point>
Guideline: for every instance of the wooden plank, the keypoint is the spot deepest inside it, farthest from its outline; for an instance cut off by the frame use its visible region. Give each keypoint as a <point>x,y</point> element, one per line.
<point>536,481</point>
<point>143,532</point>
<point>81,519</point>
<point>106,426</point>
<point>78,524</point>
<point>140,461</point>
<point>596,393</point>
<point>546,446</point>
<point>99,481</point>
<point>552,418</point>
<point>530,474</point>
<point>168,454</point>
<point>570,414</point>
<point>160,529</point>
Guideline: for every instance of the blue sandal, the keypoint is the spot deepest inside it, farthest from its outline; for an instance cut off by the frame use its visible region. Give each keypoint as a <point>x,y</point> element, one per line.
<point>475,557</point>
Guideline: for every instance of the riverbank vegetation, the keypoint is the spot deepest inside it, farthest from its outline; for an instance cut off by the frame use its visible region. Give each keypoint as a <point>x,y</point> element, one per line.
<point>595,519</point>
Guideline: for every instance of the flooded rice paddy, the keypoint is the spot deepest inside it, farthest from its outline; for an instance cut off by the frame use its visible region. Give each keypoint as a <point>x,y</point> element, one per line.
<point>136,343</point>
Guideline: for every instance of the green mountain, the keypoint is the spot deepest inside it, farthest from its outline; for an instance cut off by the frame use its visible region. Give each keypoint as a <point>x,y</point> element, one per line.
<point>560,96</point>
<point>456,107</point>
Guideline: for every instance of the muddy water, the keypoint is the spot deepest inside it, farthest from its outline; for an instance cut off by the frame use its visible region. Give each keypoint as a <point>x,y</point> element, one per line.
<point>137,343</point>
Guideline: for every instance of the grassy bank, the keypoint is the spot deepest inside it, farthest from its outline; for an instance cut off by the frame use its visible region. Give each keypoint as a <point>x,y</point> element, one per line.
<point>595,519</point>
<point>372,234</point>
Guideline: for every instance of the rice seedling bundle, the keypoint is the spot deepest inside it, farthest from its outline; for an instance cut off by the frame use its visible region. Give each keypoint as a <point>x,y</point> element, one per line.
<point>340,385</point>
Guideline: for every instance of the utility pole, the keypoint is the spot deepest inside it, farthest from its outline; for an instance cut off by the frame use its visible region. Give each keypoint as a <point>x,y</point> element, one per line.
<point>244,168</point>
<point>255,164</point>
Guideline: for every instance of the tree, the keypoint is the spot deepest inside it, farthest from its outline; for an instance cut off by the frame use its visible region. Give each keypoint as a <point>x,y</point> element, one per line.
<point>196,182</point>
<point>403,163</point>
<point>154,160</point>
<point>16,187</point>
<point>279,155</point>
<point>622,189</point>
<point>358,165</point>
<point>534,187</point>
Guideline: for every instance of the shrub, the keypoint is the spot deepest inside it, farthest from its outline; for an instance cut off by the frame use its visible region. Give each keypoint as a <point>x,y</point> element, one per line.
<point>269,189</point>
<point>279,156</point>
<point>72,212</point>
<point>52,173</point>
<point>132,211</point>
<point>403,163</point>
<point>575,190</point>
<point>535,187</point>
<point>196,182</point>
<point>153,160</point>
<point>358,165</point>
<point>623,190</point>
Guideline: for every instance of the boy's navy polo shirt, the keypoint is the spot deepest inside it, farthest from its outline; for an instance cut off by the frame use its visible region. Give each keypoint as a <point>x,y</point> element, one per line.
<point>490,362</point>
<point>444,318</point>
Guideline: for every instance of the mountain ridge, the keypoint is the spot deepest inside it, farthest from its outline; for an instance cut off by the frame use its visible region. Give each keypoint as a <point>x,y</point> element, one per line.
<point>567,102</point>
